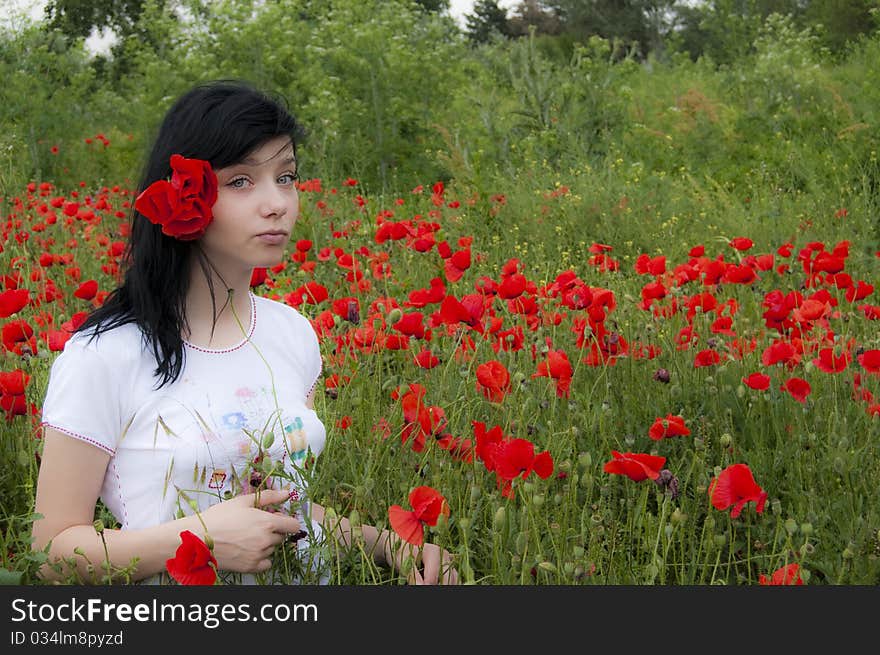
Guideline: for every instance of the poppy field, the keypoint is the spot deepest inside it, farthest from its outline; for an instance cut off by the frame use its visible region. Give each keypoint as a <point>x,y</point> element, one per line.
<point>579,414</point>
<point>584,320</point>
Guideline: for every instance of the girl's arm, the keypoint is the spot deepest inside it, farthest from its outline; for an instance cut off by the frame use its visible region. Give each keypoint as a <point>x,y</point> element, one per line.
<point>71,474</point>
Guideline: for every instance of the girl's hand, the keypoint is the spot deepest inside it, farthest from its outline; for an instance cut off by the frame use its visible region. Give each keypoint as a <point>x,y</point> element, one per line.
<point>245,532</point>
<point>430,565</point>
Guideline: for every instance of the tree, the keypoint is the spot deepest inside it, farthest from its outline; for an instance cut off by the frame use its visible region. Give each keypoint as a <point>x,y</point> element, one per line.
<point>640,23</point>
<point>435,6</point>
<point>488,19</point>
<point>534,14</point>
<point>82,17</point>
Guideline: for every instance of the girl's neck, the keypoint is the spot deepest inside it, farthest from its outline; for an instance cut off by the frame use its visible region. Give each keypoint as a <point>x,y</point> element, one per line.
<point>229,314</point>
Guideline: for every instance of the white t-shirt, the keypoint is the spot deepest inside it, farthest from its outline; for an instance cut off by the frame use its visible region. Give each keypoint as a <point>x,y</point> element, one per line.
<point>202,438</point>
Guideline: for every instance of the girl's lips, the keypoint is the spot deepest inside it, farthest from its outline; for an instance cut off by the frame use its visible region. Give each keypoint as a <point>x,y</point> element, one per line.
<point>273,238</point>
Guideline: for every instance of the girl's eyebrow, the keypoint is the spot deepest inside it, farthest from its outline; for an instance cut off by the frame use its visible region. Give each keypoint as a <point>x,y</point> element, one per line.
<point>250,161</point>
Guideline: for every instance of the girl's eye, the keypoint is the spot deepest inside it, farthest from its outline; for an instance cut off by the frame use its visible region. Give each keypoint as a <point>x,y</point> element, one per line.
<point>237,183</point>
<point>288,178</point>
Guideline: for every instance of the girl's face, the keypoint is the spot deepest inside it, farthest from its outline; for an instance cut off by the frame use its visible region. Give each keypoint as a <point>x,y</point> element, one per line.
<point>256,209</point>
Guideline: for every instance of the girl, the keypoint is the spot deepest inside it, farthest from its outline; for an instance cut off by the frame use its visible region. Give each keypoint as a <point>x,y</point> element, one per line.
<point>184,389</point>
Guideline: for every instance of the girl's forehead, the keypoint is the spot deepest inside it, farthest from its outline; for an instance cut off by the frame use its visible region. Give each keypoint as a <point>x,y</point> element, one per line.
<point>276,150</point>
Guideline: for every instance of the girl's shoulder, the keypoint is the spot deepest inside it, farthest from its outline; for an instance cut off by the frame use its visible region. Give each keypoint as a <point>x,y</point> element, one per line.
<point>277,311</point>
<point>118,343</point>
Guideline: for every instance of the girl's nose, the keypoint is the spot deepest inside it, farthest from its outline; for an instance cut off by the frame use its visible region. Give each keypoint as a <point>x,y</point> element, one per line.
<point>275,202</point>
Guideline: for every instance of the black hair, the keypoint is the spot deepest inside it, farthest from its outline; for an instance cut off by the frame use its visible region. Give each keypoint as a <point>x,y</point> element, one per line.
<point>222,122</point>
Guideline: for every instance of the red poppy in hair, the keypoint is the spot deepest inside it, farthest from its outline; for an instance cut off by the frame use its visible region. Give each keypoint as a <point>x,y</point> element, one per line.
<point>182,206</point>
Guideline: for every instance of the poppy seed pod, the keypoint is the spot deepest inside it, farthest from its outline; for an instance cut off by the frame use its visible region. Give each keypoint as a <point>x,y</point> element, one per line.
<point>500,518</point>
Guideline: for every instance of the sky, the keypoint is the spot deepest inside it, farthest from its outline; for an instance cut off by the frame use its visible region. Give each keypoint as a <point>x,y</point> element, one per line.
<point>458,8</point>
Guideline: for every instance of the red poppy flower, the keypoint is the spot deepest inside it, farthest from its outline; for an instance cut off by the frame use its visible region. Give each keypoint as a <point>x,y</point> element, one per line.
<point>757,381</point>
<point>780,352</point>
<point>783,576</point>
<point>86,290</point>
<point>427,506</point>
<point>259,275</point>
<point>512,286</point>
<point>12,301</point>
<point>493,380</point>
<point>426,359</point>
<point>671,426</point>
<point>828,362</point>
<point>182,206</point>
<point>558,367</point>
<point>736,486</point>
<point>636,466</point>
<point>870,361</point>
<point>741,243</point>
<point>707,357</point>
<point>515,458</point>
<point>798,388</point>
<point>859,291</point>
<point>193,563</point>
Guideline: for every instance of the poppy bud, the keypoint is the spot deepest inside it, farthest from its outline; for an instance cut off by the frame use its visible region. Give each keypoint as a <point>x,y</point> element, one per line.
<point>726,440</point>
<point>677,516</point>
<point>394,315</point>
<point>848,553</point>
<point>585,460</point>
<point>475,493</point>
<point>99,526</point>
<point>547,566</point>
<point>521,540</point>
<point>500,518</point>
<point>710,522</point>
<point>577,551</point>
<point>667,529</point>
<point>807,529</point>
<point>538,500</point>
<point>464,524</point>
<point>791,526</point>
<point>720,540</point>
<point>268,440</point>
<point>568,568</point>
